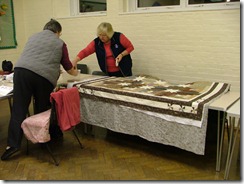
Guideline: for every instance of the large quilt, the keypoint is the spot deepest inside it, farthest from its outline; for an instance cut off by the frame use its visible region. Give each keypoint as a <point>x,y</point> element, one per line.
<point>182,103</point>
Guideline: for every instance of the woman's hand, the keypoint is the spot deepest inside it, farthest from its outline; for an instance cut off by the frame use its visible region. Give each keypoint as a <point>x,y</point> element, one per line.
<point>118,59</point>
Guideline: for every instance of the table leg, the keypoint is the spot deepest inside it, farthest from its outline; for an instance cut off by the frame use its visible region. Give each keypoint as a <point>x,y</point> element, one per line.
<point>220,138</point>
<point>10,104</point>
<point>231,146</point>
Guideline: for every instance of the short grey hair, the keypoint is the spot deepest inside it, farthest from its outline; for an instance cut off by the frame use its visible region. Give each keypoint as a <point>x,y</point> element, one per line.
<point>53,26</point>
<point>105,28</point>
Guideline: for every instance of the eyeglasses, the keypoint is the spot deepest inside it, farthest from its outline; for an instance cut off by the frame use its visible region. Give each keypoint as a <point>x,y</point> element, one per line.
<point>102,35</point>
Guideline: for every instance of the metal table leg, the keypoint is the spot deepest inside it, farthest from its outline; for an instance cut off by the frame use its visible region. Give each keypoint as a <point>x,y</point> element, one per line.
<point>220,139</point>
<point>10,104</point>
<point>231,146</point>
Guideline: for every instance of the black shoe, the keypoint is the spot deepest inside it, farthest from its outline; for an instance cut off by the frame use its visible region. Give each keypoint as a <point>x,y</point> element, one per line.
<point>9,152</point>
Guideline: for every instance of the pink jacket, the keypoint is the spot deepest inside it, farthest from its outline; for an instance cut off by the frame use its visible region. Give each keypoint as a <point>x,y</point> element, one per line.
<point>36,127</point>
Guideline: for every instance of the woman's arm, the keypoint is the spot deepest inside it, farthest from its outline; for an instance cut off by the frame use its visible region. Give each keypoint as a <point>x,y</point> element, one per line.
<point>127,45</point>
<point>90,49</point>
<point>66,63</point>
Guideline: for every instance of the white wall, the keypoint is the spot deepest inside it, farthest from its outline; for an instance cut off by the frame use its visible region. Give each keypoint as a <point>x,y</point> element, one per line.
<point>176,46</point>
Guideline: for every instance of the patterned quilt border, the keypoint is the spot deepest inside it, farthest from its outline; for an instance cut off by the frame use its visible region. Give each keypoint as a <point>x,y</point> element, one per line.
<point>173,107</point>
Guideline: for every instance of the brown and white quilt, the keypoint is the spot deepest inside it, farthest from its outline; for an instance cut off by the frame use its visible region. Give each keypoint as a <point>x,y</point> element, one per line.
<point>182,103</point>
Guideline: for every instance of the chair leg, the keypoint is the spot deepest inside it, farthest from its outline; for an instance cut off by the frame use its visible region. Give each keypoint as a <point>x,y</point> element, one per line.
<point>50,152</point>
<point>27,147</point>
<point>48,149</point>
<point>81,146</point>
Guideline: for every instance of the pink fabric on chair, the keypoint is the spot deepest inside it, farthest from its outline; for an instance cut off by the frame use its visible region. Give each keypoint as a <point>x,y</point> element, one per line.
<point>67,104</point>
<point>36,127</point>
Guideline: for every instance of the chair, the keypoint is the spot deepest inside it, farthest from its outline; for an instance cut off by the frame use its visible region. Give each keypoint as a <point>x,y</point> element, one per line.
<point>83,68</point>
<point>98,73</point>
<point>65,112</point>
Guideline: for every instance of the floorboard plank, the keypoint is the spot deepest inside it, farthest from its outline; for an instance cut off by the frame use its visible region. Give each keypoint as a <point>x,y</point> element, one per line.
<point>109,155</point>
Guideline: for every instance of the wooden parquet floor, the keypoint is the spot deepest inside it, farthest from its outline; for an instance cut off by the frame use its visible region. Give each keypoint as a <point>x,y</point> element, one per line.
<point>109,156</point>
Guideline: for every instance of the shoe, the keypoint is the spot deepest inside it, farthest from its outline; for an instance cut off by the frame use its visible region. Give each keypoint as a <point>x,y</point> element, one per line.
<point>9,152</point>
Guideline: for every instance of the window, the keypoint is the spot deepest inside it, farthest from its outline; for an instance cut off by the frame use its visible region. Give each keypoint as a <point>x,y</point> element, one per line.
<point>152,3</point>
<point>92,5</point>
<point>210,1</point>
<point>88,7</point>
<point>180,5</point>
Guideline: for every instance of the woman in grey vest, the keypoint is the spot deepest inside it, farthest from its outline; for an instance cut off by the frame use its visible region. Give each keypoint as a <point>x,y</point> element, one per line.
<point>35,76</point>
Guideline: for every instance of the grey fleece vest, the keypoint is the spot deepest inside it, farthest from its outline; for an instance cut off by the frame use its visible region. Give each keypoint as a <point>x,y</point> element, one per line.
<point>42,55</point>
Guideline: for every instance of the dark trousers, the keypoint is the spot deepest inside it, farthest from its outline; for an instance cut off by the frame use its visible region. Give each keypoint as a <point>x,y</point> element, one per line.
<point>27,85</point>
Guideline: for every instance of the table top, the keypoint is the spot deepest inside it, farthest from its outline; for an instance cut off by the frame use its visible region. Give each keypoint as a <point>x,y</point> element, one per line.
<point>225,101</point>
<point>6,96</point>
<point>3,94</point>
<point>70,80</point>
<point>234,110</point>
<point>66,78</point>
<point>221,104</point>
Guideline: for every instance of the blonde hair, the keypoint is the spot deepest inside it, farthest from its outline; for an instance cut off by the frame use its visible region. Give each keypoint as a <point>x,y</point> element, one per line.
<point>105,28</point>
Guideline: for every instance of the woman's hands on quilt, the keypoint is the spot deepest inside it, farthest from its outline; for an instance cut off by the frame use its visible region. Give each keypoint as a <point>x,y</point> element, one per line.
<point>73,71</point>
